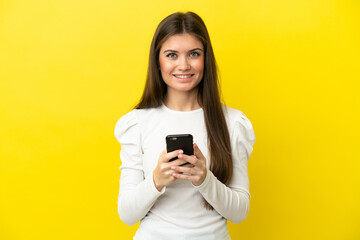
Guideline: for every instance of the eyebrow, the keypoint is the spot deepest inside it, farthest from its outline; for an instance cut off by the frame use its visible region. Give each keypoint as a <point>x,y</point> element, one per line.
<point>170,50</point>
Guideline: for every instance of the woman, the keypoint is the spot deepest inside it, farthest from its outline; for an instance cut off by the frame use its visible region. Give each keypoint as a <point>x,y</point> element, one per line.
<point>181,96</point>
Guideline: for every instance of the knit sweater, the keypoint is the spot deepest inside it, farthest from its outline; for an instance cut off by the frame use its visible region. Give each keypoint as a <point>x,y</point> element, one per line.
<point>177,211</point>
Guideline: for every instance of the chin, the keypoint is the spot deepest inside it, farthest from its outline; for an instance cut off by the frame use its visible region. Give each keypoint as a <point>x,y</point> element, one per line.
<point>186,89</point>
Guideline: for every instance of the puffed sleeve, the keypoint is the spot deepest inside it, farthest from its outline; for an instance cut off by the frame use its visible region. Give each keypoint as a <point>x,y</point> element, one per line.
<point>232,201</point>
<point>242,140</point>
<point>137,192</point>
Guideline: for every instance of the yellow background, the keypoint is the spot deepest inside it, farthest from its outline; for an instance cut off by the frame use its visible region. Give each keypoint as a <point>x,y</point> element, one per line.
<point>69,69</point>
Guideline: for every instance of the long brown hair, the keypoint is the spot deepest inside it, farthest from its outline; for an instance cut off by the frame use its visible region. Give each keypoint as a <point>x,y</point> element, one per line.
<point>221,164</point>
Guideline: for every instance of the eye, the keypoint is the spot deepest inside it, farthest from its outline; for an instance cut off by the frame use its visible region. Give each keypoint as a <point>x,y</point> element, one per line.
<point>194,54</point>
<point>171,55</point>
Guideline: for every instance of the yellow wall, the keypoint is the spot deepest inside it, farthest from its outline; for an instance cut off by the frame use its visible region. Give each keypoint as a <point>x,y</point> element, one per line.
<point>69,69</point>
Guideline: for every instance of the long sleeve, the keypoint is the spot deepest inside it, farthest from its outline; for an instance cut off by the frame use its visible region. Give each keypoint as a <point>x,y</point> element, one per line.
<point>137,192</point>
<point>232,201</point>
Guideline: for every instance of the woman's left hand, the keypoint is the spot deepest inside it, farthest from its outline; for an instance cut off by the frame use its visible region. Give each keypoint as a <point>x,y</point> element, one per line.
<point>196,172</point>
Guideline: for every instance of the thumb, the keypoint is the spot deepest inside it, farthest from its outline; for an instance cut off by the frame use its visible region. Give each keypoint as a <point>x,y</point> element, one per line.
<point>197,152</point>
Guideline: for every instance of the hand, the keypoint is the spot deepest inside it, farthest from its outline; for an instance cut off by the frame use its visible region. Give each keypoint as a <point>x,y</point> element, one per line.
<point>196,172</point>
<point>163,174</point>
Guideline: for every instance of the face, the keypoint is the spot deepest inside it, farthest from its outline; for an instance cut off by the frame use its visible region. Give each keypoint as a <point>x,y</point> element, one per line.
<point>181,61</point>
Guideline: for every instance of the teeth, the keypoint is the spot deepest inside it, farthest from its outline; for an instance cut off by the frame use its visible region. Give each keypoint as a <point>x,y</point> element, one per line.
<point>182,76</point>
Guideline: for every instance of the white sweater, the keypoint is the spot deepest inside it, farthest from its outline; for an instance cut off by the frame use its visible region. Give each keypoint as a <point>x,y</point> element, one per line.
<point>177,212</point>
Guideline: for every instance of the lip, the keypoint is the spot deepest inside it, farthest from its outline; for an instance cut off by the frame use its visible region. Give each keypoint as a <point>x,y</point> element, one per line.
<point>183,79</point>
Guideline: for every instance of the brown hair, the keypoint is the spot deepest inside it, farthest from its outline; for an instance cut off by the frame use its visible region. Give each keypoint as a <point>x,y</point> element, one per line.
<point>221,164</point>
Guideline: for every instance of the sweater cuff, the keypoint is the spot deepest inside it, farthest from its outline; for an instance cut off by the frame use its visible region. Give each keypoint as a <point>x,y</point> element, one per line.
<point>206,181</point>
<point>152,185</point>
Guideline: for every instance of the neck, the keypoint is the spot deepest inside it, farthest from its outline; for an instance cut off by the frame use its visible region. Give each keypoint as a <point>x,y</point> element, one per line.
<point>182,101</point>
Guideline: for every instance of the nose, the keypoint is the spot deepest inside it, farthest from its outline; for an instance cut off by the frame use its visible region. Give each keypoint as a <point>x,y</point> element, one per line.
<point>184,64</point>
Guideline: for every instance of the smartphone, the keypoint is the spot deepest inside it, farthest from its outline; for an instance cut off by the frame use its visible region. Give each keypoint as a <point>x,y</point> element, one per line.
<point>180,141</point>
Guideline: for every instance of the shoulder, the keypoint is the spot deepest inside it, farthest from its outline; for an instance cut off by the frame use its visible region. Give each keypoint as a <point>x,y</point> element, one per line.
<point>128,124</point>
<point>239,124</point>
<point>134,117</point>
<point>131,122</point>
<point>234,116</point>
<point>127,120</point>
<point>125,124</point>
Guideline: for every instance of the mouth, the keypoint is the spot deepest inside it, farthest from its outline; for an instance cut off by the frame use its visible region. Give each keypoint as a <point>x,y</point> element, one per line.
<point>183,76</point>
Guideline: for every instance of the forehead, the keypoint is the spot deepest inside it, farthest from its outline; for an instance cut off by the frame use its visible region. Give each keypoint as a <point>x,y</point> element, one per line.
<point>181,42</point>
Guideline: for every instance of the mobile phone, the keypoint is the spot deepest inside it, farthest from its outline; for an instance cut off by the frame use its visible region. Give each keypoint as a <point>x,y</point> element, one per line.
<point>180,141</point>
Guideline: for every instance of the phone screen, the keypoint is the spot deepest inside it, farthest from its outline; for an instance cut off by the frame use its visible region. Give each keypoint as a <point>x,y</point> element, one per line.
<point>180,141</point>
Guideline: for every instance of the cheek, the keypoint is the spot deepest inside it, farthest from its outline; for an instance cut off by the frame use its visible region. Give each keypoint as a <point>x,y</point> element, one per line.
<point>165,66</point>
<point>199,65</point>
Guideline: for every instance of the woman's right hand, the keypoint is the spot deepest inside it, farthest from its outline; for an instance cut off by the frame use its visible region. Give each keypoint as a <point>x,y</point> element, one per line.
<point>163,175</point>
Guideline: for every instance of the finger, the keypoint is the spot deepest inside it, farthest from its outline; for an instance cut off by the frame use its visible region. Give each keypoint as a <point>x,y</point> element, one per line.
<point>171,155</point>
<point>185,177</point>
<point>177,162</point>
<point>162,157</point>
<point>197,152</point>
<point>191,159</point>
<point>169,174</point>
<point>189,170</point>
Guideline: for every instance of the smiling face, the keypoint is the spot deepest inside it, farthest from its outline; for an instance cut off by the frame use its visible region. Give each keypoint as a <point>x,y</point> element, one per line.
<point>181,61</point>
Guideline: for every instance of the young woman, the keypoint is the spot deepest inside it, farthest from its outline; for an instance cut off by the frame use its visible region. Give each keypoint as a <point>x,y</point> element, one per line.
<point>181,96</point>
